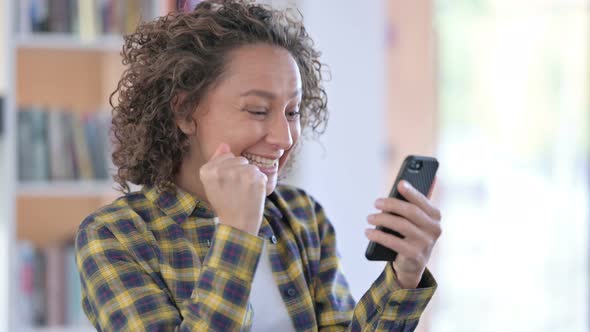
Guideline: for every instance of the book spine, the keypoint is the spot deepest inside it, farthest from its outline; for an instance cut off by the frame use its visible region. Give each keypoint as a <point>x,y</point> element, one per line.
<point>38,149</point>
<point>96,146</point>
<point>56,146</point>
<point>82,149</point>
<point>69,153</point>
<point>87,19</point>
<point>74,313</point>
<point>24,17</point>
<point>39,290</point>
<point>24,144</point>
<point>55,282</point>
<point>26,254</point>
<point>57,16</point>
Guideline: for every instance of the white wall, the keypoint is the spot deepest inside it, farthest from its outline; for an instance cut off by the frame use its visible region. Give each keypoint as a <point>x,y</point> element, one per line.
<point>348,177</point>
<point>4,191</point>
<point>3,29</point>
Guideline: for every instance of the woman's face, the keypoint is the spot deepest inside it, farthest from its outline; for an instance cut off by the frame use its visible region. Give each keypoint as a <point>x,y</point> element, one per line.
<point>254,108</point>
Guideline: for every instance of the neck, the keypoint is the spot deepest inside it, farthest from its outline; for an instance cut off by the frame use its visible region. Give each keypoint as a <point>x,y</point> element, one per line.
<point>188,179</point>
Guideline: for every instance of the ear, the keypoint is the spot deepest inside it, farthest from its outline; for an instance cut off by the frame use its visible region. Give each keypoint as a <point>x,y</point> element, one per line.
<point>187,124</point>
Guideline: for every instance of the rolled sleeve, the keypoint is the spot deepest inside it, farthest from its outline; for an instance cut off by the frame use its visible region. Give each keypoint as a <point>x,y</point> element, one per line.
<point>235,252</point>
<point>404,303</point>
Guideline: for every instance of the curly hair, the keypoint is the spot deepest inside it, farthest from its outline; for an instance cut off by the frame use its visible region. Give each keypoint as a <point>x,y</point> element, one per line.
<point>186,53</point>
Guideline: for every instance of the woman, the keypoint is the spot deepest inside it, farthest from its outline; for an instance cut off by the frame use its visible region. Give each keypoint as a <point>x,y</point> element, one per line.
<point>209,110</point>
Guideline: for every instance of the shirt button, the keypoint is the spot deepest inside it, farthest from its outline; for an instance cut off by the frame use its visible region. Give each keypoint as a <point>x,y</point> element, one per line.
<point>273,239</point>
<point>291,292</point>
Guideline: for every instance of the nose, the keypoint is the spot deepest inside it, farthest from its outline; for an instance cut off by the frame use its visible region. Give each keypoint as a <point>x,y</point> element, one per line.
<point>279,132</point>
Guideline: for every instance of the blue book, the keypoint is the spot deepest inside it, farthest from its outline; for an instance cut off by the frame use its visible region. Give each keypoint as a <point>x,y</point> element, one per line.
<point>39,150</point>
<point>95,138</point>
<point>74,313</point>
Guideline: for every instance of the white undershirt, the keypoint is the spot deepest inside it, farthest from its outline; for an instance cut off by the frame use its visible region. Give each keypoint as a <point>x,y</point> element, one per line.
<point>270,311</point>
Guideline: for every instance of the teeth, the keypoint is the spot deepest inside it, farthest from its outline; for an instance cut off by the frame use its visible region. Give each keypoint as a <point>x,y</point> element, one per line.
<point>260,161</point>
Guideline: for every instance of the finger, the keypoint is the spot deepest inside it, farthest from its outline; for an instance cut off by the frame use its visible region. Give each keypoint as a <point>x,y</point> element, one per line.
<point>396,223</point>
<point>241,172</point>
<point>392,242</point>
<point>406,210</point>
<point>255,171</point>
<point>232,162</point>
<point>221,153</point>
<point>265,177</point>
<point>222,149</point>
<point>412,195</point>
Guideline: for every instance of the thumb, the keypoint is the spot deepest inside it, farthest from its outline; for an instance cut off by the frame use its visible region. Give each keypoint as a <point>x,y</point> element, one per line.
<point>221,149</point>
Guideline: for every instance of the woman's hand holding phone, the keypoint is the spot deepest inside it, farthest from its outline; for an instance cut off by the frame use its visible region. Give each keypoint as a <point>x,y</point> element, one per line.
<point>418,221</point>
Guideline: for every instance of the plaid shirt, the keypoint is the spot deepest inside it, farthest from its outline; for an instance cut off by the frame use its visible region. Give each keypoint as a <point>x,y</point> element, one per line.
<point>156,261</point>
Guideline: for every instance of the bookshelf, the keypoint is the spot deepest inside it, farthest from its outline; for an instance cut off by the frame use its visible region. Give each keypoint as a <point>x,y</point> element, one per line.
<point>73,68</point>
<point>69,188</point>
<point>62,41</point>
<point>54,69</point>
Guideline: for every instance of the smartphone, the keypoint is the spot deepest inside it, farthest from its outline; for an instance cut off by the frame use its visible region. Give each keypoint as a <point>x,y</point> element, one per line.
<point>419,171</point>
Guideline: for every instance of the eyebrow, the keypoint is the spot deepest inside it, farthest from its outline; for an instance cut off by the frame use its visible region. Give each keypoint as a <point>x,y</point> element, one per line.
<point>266,94</point>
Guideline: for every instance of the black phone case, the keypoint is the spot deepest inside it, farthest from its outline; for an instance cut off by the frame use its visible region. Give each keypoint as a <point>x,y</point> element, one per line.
<point>421,180</point>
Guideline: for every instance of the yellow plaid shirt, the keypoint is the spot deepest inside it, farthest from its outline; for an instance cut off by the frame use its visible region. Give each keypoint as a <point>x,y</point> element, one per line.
<point>156,261</point>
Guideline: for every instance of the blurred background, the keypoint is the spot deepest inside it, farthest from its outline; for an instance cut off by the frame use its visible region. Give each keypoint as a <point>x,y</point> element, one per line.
<point>497,90</point>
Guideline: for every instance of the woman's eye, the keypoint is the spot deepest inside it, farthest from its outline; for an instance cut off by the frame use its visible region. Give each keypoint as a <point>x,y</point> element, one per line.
<point>293,115</point>
<point>255,112</point>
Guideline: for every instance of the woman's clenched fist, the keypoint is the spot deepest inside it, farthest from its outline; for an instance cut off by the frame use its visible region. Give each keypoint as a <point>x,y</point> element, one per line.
<point>235,189</point>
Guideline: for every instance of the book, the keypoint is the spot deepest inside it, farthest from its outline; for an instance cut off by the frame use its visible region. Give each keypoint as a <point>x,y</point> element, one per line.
<point>26,287</point>
<point>74,314</point>
<point>60,145</point>
<point>39,13</point>
<point>86,19</point>
<point>38,149</point>
<point>24,144</point>
<point>55,285</point>
<point>39,290</point>
<point>58,167</point>
<point>82,153</point>
<point>50,291</point>
<point>24,17</point>
<point>96,148</point>
<point>59,16</point>
<point>69,153</point>
<point>104,119</point>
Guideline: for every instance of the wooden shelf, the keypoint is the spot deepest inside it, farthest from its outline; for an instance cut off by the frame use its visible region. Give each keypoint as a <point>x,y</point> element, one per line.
<point>67,188</point>
<point>106,43</point>
<point>82,328</point>
<point>54,71</point>
<point>45,220</point>
<point>69,78</point>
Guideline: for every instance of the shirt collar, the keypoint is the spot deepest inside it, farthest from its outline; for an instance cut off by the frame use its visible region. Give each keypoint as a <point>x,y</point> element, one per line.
<point>271,209</point>
<point>179,204</point>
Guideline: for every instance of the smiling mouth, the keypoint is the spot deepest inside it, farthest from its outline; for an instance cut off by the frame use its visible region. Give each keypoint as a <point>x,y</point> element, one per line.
<point>261,161</point>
